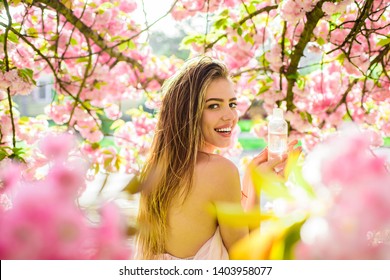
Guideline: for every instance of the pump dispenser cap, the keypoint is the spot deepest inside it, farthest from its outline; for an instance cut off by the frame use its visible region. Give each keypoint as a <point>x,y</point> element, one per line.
<point>277,113</point>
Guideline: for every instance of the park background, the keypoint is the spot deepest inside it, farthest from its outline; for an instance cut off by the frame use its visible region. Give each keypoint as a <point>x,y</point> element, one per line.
<point>80,91</point>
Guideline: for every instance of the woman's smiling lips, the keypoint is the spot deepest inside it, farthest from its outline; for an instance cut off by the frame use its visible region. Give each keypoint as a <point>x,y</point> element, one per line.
<point>224,131</point>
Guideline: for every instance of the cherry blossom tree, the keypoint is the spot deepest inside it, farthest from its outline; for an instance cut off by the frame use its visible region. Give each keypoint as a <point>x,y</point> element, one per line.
<point>322,61</point>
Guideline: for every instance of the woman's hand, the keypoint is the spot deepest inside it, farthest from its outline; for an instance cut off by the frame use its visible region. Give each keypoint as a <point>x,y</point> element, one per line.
<point>277,165</point>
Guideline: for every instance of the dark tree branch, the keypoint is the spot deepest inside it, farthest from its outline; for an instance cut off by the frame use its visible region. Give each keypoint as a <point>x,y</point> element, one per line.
<point>291,74</point>
<point>86,31</point>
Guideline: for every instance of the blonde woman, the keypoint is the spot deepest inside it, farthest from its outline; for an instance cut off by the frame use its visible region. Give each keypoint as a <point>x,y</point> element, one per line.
<point>182,176</point>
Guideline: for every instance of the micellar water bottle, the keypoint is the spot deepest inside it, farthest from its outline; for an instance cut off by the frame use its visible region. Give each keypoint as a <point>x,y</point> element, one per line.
<point>277,135</point>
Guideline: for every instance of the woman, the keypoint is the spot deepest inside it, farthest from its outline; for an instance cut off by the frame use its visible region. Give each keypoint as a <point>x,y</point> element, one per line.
<point>182,176</point>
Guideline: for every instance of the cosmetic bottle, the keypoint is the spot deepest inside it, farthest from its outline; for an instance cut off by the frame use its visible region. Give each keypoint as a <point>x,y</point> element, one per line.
<point>277,135</point>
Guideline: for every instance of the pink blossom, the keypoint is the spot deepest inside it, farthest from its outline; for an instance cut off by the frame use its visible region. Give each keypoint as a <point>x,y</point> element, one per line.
<point>35,230</point>
<point>108,158</point>
<point>70,182</point>
<point>357,182</point>
<point>92,134</point>
<point>143,124</point>
<point>237,54</point>
<point>260,130</point>
<point>57,147</point>
<point>127,6</point>
<point>10,174</point>
<point>113,111</point>
<point>292,11</point>
<point>42,221</point>
<point>110,235</point>
<point>4,83</point>
<point>5,203</point>
<point>362,163</point>
<point>243,104</point>
<point>274,57</point>
<point>59,113</point>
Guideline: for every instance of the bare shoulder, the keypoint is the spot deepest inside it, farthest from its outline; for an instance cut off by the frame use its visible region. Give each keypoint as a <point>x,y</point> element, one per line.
<point>220,175</point>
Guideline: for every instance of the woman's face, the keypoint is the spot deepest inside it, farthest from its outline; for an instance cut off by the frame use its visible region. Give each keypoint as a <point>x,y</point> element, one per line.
<point>219,116</point>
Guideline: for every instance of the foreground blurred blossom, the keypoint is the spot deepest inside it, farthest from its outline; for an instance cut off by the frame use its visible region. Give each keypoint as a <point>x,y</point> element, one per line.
<point>359,184</point>
<point>41,220</point>
<point>332,204</point>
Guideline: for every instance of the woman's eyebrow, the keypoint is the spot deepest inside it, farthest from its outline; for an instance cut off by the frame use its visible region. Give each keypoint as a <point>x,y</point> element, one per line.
<point>220,99</point>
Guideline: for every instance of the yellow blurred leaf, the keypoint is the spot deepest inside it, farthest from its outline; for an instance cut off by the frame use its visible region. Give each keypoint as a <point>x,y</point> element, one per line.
<point>133,186</point>
<point>275,241</point>
<point>257,245</point>
<point>292,162</point>
<point>232,214</point>
<point>269,183</point>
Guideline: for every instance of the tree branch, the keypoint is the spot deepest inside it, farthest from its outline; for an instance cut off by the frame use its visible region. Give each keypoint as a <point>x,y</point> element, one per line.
<point>291,74</point>
<point>86,31</point>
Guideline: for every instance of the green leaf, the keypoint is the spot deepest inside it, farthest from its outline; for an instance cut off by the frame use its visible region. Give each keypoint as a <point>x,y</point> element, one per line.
<point>16,2</point>
<point>224,13</point>
<point>263,89</point>
<point>251,8</point>
<point>73,42</point>
<point>82,59</point>
<point>321,41</point>
<point>341,57</point>
<point>24,119</point>
<point>191,39</point>
<point>32,32</point>
<point>27,74</point>
<point>13,37</point>
<point>383,42</point>
<point>221,23</point>
<point>239,31</point>
<point>3,154</point>
<point>105,6</point>
<point>117,123</point>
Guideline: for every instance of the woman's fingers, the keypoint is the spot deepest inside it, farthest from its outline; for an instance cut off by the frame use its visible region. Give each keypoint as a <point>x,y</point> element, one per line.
<point>276,161</point>
<point>291,145</point>
<point>260,158</point>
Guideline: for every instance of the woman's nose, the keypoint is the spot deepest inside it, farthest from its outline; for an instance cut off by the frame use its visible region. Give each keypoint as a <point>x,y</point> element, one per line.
<point>229,114</point>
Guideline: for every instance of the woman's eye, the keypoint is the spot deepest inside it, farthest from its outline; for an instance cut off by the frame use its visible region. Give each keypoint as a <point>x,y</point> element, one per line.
<point>213,106</point>
<point>233,105</point>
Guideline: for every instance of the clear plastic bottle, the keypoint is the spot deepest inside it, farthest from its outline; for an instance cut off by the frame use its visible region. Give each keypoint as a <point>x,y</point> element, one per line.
<point>277,135</point>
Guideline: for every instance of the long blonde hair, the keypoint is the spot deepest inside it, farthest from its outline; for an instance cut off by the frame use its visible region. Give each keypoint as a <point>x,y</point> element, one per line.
<point>168,172</point>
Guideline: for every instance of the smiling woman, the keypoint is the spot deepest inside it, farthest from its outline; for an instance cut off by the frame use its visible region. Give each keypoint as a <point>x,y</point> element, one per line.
<point>219,117</point>
<point>183,178</point>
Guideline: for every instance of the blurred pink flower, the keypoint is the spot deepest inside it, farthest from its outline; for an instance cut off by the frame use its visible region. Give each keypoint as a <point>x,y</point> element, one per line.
<point>127,6</point>
<point>113,111</point>
<point>356,159</point>
<point>40,219</point>
<point>358,183</point>
<point>69,182</point>
<point>111,235</point>
<point>57,146</point>
<point>10,174</point>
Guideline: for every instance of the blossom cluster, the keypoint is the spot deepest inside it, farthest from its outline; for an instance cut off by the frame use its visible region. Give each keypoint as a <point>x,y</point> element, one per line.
<point>40,219</point>
<point>352,188</point>
<point>16,83</point>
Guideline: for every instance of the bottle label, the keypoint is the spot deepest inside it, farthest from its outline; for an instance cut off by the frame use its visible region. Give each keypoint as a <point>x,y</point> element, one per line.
<point>277,144</point>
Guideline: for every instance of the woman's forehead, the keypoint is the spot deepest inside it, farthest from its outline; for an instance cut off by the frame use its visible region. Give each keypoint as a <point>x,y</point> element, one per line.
<point>220,88</point>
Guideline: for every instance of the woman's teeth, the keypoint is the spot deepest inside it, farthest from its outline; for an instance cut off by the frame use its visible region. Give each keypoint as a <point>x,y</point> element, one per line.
<point>226,129</point>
